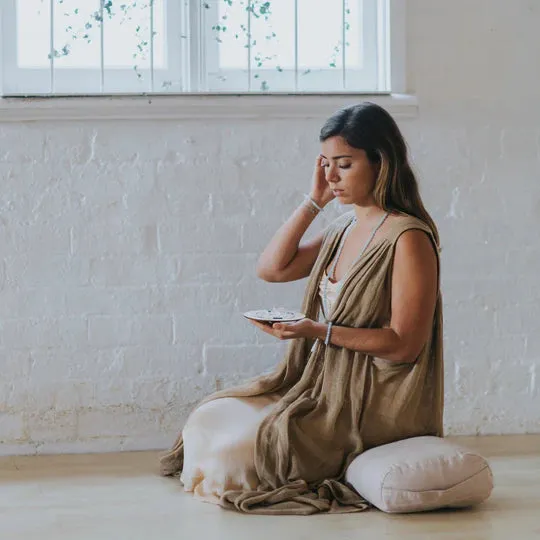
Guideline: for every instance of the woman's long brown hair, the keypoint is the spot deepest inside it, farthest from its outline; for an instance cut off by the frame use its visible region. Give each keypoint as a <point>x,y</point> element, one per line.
<point>369,127</point>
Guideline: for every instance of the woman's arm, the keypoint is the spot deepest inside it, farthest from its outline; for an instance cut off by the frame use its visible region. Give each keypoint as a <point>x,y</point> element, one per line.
<point>284,259</point>
<point>414,296</point>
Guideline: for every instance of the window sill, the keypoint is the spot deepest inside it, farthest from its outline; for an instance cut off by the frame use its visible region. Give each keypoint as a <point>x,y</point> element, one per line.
<point>176,107</point>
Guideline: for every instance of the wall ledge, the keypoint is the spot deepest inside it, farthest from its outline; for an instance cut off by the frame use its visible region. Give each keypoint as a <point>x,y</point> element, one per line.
<point>194,106</point>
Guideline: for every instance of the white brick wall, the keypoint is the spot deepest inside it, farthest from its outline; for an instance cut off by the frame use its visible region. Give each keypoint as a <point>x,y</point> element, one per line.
<point>129,248</point>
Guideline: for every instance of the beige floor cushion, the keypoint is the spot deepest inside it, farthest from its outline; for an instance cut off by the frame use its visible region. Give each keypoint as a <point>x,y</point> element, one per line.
<point>421,473</point>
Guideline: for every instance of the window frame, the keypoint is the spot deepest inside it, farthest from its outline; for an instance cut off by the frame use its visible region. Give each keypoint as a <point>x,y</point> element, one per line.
<point>188,60</point>
<point>225,105</point>
<point>288,80</point>
<point>87,81</point>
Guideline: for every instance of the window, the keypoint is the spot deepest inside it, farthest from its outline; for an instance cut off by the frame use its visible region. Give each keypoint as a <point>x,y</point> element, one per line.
<point>82,47</point>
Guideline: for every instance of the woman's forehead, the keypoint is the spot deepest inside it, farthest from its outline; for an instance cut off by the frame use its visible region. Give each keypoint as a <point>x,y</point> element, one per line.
<point>336,147</point>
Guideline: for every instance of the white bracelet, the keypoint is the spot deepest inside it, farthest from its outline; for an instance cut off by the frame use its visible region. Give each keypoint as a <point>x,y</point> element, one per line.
<point>312,202</point>
<point>327,340</point>
<point>310,208</point>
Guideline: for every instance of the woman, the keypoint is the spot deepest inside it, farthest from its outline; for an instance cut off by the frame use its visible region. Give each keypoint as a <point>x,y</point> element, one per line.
<point>369,373</point>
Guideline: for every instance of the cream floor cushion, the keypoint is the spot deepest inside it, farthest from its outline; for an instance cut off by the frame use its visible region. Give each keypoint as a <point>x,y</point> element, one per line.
<point>421,473</point>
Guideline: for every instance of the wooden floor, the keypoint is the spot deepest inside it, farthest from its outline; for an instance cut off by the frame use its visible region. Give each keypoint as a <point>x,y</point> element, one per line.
<point>120,496</point>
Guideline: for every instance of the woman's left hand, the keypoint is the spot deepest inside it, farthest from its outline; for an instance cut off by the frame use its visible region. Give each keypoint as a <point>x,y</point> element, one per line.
<point>304,328</point>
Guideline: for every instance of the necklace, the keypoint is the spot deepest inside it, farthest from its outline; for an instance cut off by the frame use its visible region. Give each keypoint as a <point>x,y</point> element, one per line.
<point>340,248</point>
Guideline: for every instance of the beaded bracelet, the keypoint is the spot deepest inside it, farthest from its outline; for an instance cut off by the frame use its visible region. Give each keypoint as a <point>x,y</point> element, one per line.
<point>327,340</point>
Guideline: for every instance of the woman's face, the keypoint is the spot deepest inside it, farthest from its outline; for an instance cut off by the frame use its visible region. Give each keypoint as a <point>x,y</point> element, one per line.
<point>348,169</point>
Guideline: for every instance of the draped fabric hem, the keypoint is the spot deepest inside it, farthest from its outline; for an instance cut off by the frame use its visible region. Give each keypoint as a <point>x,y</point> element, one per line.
<point>297,498</point>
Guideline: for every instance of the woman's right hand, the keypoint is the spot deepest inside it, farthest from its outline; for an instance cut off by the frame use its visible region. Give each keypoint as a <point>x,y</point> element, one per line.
<point>320,189</point>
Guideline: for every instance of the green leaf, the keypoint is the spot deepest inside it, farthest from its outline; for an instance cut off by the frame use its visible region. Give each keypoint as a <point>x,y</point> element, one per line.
<point>265,8</point>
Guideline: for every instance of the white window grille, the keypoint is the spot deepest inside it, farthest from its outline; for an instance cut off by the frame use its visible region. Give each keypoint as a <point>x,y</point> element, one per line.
<point>86,47</point>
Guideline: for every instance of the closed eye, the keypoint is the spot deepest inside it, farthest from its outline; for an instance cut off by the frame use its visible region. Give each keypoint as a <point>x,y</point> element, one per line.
<point>340,166</point>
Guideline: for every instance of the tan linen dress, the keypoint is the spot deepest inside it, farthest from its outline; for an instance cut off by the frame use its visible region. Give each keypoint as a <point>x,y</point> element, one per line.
<point>281,443</point>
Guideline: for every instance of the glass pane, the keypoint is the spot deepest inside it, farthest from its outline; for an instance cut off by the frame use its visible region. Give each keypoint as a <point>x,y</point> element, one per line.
<point>230,31</point>
<point>319,34</point>
<point>77,27</point>
<point>77,33</point>
<point>324,30</point>
<point>160,34</point>
<point>354,38</point>
<point>33,33</point>
<point>272,32</point>
<point>271,25</point>
<point>127,34</point>
<point>272,45</point>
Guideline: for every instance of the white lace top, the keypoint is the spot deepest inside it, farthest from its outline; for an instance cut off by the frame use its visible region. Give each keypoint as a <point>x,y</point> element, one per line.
<point>332,291</point>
